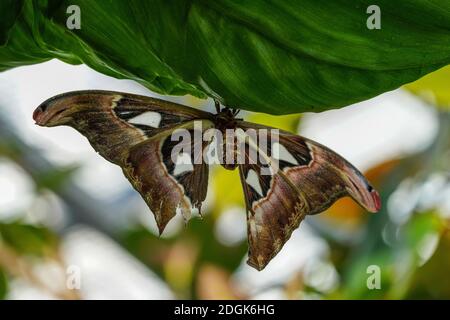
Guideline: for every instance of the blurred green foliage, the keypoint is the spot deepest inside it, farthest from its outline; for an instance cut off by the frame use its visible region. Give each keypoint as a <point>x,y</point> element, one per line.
<point>28,239</point>
<point>434,88</point>
<point>55,178</point>
<point>3,284</point>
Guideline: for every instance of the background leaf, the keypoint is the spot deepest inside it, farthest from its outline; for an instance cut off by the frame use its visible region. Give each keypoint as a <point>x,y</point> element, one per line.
<point>28,239</point>
<point>434,88</point>
<point>275,57</point>
<point>3,284</point>
<point>10,10</point>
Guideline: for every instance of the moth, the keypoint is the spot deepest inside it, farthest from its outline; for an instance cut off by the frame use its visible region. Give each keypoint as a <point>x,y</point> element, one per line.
<point>136,133</point>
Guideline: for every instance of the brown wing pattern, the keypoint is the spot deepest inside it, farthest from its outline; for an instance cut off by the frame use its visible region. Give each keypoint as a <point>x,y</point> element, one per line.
<point>271,218</point>
<point>306,179</point>
<point>114,121</point>
<point>153,173</point>
<point>133,132</point>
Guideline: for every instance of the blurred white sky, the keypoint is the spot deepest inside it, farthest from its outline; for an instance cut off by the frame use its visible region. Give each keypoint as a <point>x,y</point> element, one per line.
<point>390,125</point>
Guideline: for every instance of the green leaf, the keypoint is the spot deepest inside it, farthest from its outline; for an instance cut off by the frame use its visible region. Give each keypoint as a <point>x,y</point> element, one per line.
<point>3,284</point>
<point>28,239</point>
<point>10,10</point>
<point>54,178</point>
<point>434,88</point>
<point>274,56</point>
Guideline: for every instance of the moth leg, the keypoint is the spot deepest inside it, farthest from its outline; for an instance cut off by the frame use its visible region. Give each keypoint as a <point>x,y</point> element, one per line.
<point>217,105</point>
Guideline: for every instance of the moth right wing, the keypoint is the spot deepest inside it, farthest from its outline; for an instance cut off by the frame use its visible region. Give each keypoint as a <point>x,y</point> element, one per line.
<point>305,178</point>
<point>274,209</point>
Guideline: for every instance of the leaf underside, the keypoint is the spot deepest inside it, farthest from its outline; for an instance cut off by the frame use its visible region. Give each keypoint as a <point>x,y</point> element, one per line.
<point>277,57</point>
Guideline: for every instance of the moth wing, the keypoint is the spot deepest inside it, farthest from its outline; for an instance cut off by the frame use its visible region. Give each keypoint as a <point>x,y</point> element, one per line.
<point>305,178</point>
<point>273,212</point>
<point>135,133</point>
<point>168,180</point>
<point>113,122</point>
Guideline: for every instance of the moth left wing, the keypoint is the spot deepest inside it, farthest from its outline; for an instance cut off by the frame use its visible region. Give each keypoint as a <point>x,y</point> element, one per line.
<point>169,180</point>
<point>304,178</point>
<point>135,133</point>
<point>112,121</point>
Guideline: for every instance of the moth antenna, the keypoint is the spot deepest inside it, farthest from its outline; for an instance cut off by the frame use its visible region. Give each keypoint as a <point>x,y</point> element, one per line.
<point>217,105</point>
